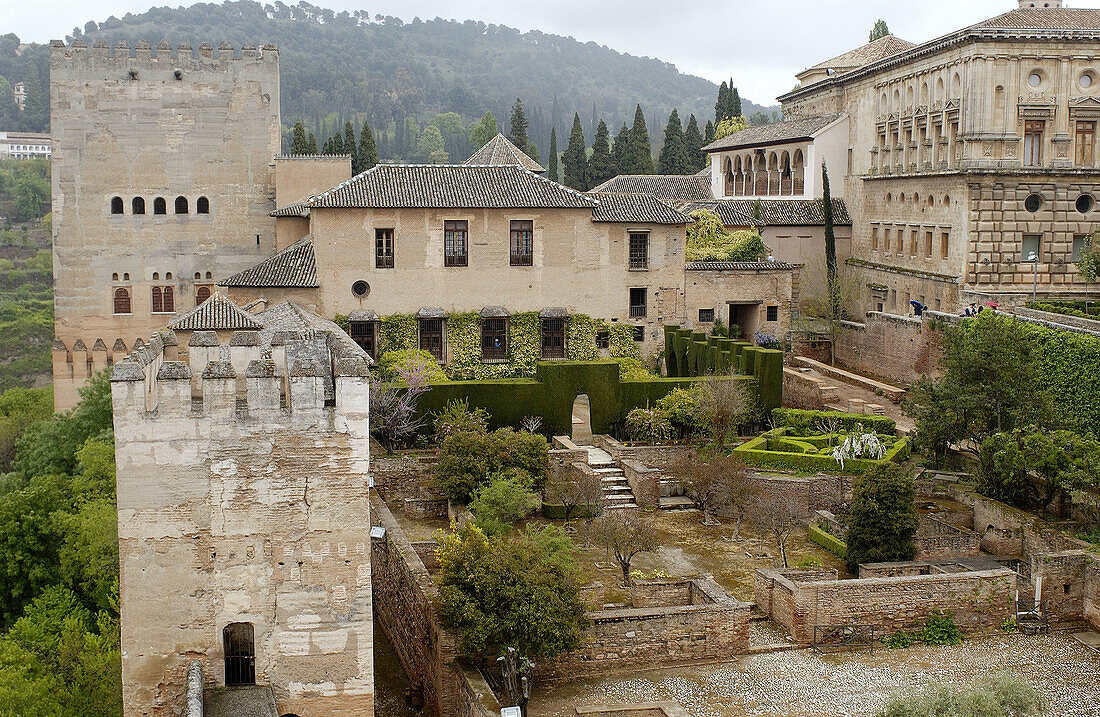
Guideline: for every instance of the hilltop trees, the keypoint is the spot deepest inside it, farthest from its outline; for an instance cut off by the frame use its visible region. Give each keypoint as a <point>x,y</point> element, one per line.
<point>298,142</point>
<point>601,165</point>
<point>618,149</point>
<point>366,156</point>
<point>638,155</point>
<point>483,131</point>
<point>575,161</point>
<point>728,104</point>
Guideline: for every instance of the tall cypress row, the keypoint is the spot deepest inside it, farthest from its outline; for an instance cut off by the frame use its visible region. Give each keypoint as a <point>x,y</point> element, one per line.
<point>640,154</point>
<point>693,142</point>
<point>552,160</point>
<point>674,157</point>
<point>368,152</point>
<point>830,245</point>
<point>574,160</point>
<point>620,150</point>
<point>601,166</point>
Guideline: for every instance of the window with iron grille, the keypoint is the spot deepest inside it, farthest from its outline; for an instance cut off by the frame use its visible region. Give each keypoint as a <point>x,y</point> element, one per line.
<point>163,302</point>
<point>383,248</point>
<point>239,641</point>
<point>363,333</point>
<point>639,251</point>
<point>456,250</point>
<point>494,339</point>
<point>773,313</point>
<point>553,338</point>
<point>522,243</point>
<point>122,301</point>
<point>603,339</point>
<point>637,303</point>
<point>706,316</point>
<point>639,334</point>
<point>431,337</point>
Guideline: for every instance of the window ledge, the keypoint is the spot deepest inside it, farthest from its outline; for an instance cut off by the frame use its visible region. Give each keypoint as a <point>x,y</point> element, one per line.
<point>638,268</point>
<point>166,313</point>
<point>495,361</point>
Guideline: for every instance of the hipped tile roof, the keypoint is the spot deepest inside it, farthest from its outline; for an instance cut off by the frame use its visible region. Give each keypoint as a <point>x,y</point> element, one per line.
<point>293,267</point>
<point>738,266</point>
<point>668,187</point>
<point>215,314</point>
<point>636,208</point>
<point>775,212</point>
<point>500,152</point>
<point>775,133</point>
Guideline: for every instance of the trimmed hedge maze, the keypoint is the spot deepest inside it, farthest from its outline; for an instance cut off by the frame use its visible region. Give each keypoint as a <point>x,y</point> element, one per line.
<point>779,449</point>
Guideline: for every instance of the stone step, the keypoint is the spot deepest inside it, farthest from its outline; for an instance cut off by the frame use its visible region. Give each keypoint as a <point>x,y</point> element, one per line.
<point>608,471</point>
<point>622,506</point>
<point>874,409</point>
<point>617,489</point>
<point>829,393</point>
<point>676,503</point>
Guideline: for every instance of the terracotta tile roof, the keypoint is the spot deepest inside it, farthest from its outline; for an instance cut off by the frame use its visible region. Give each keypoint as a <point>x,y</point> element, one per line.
<point>638,208</point>
<point>451,186</point>
<point>865,55</point>
<point>500,152</point>
<point>293,267</point>
<point>775,212</point>
<point>298,209</point>
<point>669,187</point>
<point>215,314</point>
<point>775,133</point>
<point>738,266</point>
<point>1037,18</point>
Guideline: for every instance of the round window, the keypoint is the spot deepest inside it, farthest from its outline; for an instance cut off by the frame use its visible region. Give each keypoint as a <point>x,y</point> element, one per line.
<point>1087,80</point>
<point>1084,203</point>
<point>1033,203</point>
<point>1035,79</point>
<point>360,288</point>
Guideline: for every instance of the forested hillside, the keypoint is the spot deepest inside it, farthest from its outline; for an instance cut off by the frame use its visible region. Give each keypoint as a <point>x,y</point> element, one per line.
<point>338,67</point>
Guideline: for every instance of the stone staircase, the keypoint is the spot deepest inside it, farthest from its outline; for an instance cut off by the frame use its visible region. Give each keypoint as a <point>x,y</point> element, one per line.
<point>617,494</point>
<point>672,495</point>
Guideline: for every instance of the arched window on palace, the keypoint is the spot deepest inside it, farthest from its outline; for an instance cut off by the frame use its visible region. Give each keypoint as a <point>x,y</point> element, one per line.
<point>181,205</point>
<point>202,206</point>
<point>202,293</point>
<point>160,206</point>
<point>239,642</point>
<point>117,205</point>
<point>163,300</point>
<point>137,205</point>
<point>122,301</point>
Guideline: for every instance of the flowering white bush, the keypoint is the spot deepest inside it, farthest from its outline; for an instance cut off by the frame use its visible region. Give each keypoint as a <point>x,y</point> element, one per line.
<point>859,445</point>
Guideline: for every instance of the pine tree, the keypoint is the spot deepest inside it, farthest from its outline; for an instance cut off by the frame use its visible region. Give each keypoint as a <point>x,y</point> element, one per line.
<point>298,140</point>
<point>639,151</point>
<point>879,30</point>
<point>368,152</point>
<point>311,148</point>
<point>518,133</point>
<point>601,165</point>
<point>552,160</point>
<point>708,133</point>
<point>735,102</point>
<point>722,106</point>
<point>619,150</point>
<point>693,142</point>
<point>574,161</point>
<point>673,158</point>
<point>532,150</point>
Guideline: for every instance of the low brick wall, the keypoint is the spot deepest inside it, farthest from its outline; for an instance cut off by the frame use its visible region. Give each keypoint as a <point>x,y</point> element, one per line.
<point>802,390</point>
<point>1065,585</point>
<point>664,593</point>
<point>897,348</point>
<point>937,539</point>
<point>401,473</point>
<point>980,601</point>
<point>425,550</point>
<point>404,607</point>
<point>425,508</point>
<point>660,457</point>
<point>894,570</point>
<point>644,481</point>
<point>803,496</point>
<point>1005,530</point>
<point>1092,595</point>
<point>714,629</point>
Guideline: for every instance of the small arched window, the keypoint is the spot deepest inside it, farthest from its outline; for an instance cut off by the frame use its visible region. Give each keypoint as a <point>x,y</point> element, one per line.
<point>126,276</point>
<point>163,301</point>
<point>168,275</point>
<point>137,205</point>
<point>116,205</point>
<point>209,275</point>
<point>202,206</point>
<point>122,301</point>
<point>114,277</point>
<point>202,295</point>
<point>156,276</point>
<point>160,206</point>
<point>181,205</point>
<point>198,275</point>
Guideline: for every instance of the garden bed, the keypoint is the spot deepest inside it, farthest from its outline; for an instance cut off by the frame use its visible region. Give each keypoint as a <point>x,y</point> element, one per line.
<point>779,449</point>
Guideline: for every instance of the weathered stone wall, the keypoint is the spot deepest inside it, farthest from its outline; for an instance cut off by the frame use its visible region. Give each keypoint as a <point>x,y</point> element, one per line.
<point>901,349</point>
<point>644,481</point>
<point>979,601</point>
<point>421,508</point>
<point>803,497</point>
<point>937,539</point>
<point>1092,595</point>
<point>715,628</point>
<point>716,290</point>
<point>402,473</point>
<point>1010,531</point>
<point>661,593</point>
<point>802,391</point>
<point>298,177</point>
<point>129,126</point>
<point>244,507</point>
<point>1064,583</point>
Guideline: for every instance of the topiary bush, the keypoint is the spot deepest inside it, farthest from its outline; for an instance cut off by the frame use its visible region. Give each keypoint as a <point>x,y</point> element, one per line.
<point>883,517</point>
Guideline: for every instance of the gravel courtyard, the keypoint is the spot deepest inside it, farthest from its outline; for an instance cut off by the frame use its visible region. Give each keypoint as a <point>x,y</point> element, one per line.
<point>801,683</point>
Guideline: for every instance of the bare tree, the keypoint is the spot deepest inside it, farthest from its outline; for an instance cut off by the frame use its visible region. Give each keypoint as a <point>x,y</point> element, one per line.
<point>715,481</point>
<point>781,519</point>
<point>582,491</point>
<point>625,534</point>
<point>393,415</point>
<point>826,304</point>
<point>727,403</point>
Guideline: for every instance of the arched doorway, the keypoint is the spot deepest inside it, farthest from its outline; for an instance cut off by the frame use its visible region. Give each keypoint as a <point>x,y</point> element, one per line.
<point>582,420</point>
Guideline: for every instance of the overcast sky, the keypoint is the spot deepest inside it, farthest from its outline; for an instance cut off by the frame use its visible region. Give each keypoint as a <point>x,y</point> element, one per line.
<point>762,43</point>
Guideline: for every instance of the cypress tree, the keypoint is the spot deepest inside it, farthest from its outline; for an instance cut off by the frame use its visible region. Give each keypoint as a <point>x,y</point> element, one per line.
<point>674,157</point>
<point>574,160</point>
<point>601,166</point>
<point>830,246</point>
<point>708,133</point>
<point>693,141</point>
<point>350,146</point>
<point>336,145</point>
<point>722,106</point>
<point>640,153</point>
<point>518,133</point>
<point>311,148</point>
<point>619,150</point>
<point>298,143</point>
<point>552,160</point>
<point>368,152</point>
<point>735,102</point>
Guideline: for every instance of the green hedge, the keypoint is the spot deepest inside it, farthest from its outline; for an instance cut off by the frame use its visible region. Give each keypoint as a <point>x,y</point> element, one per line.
<point>830,542</point>
<point>755,453</point>
<point>848,421</point>
<point>1069,363</point>
<point>1068,308</point>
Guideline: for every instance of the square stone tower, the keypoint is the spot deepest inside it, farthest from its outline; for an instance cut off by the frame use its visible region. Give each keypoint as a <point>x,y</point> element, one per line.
<point>244,521</point>
<point>163,179</point>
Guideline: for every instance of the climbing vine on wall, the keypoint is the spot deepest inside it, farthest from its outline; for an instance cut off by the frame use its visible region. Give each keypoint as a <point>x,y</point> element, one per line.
<point>396,332</point>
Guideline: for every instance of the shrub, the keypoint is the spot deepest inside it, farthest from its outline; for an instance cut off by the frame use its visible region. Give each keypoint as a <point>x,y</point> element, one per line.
<point>503,500</point>
<point>940,630</point>
<point>522,592</point>
<point>457,417</point>
<point>467,459</point>
<point>795,417</point>
<point>996,696</point>
<point>709,240</point>
<point>899,639</point>
<point>883,517</point>
<point>649,425</point>
<point>683,409</point>
<point>830,542</point>
<point>391,361</point>
<point>631,369</point>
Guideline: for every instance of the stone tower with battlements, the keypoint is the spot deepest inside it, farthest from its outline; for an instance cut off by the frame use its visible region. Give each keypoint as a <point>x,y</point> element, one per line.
<point>163,179</point>
<point>244,521</point>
